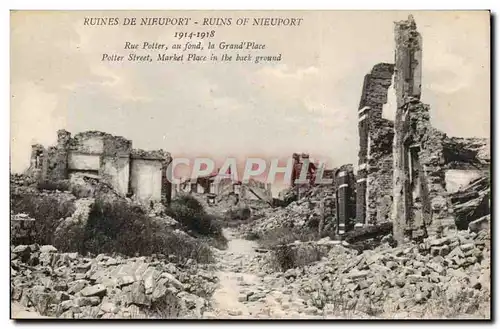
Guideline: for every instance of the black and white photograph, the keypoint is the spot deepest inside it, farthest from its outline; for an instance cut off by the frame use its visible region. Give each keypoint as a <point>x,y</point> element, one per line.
<point>250,164</point>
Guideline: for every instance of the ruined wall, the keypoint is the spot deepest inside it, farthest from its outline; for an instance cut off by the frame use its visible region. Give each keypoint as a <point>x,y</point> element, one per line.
<point>379,192</point>
<point>148,175</point>
<point>116,172</point>
<point>407,82</point>
<point>466,159</point>
<point>432,162</point>
<point>404,167</point>
<point>58,169</point>
<point>98,142</point>
<point>424,172</point>
<point>421,153</point>
<point>88,143</point>
<point>146,179</point>
<point>105,154</point>
<point>84,162</point>
<point>374,177</point>
<point>38,163</point>
<point>111,157</point>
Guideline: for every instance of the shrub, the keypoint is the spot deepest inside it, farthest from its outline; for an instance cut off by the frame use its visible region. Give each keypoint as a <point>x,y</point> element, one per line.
<point>166,307</point>
<point>118,227</point>
<point>285,235</point>
<point>113,226</point>
<point>47,210</point>
<point>284,257</point>
<point>190,213</point>
<point>252,236</point>
<point>238,213</point>
<point>183,247</point>
<point>291,256</point>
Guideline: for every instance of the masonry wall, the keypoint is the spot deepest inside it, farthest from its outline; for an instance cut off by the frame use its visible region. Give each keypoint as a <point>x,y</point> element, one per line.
<point>146,179</point>
<point>431,210</point>
<point>84,162</point>
<point>89,144</point>
<point>116,171</point>
<point>38,169</point>
<point>129,171</point>
<point>407,167</point>
<point>106,154</point>
<point>374,176</point>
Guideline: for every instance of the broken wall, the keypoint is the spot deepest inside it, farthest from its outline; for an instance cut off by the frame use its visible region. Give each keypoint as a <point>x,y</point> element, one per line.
<point>116,172</point>
<point>38,162</point>
<point>110,157</point>
<point>84,162</point>
<point>146,179</point>
<point>406,167</point>
<point>148,176</point>
<point>102,154</point>
<point>374,181</point>
<point>407,83</point>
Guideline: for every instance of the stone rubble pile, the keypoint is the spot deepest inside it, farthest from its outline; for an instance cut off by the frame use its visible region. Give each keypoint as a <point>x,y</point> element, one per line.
<point>68,285</point>
<point>448,276</point>
<point>302,213</point>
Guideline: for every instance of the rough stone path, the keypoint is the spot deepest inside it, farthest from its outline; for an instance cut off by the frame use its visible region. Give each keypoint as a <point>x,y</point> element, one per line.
<point>245,291</point>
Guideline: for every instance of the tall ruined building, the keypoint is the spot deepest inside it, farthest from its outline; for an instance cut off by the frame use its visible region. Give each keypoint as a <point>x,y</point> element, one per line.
<point>406,167</point>
<point>374,177</point>
<point>407,80</point>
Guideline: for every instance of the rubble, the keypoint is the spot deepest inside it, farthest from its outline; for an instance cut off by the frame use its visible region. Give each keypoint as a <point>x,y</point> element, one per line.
<point>410,281</point>
<point>303,213</point>
<point>68,285</point>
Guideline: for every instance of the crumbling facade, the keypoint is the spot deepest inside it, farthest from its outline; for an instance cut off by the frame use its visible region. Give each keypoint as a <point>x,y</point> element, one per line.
<point>219,186</point>
<point>374,177</point>
<point>403,164</point>
<point>407,80</point>
<point>131,172</point>
<point>303,170</point>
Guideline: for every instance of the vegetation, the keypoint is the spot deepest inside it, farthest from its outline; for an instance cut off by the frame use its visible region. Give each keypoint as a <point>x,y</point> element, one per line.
<point>286,257</point>
<point>62,185</point>
<point>285,235</point>
<point>47,210</point>
<point>191,215</point>
<point>116,226</point>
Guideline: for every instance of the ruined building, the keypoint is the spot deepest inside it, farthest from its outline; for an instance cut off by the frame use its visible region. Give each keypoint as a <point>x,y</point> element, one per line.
<point>406,166</point>
<point>134,173</point>
<point>217,187</point>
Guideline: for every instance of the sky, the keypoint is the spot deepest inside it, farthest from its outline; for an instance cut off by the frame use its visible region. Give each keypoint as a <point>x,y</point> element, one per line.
<point>307,102</point>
